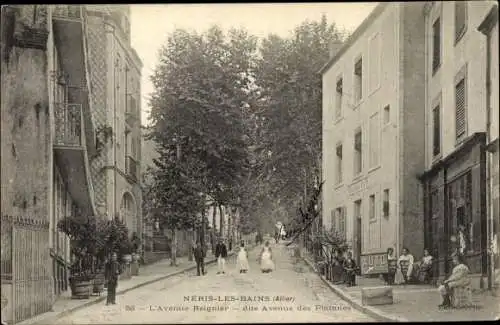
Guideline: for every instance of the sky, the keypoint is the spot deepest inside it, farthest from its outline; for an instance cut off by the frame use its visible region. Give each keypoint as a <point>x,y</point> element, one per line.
<point>151,24</point>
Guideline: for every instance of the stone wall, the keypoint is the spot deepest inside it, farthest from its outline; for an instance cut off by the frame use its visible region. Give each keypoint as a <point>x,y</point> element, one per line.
<point>25,114</point>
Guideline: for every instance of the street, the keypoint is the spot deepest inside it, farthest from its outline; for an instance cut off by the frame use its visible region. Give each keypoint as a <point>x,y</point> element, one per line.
<point>292,293</point>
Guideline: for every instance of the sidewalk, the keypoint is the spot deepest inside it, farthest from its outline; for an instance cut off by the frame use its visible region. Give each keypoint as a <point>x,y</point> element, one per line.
<point>148,274</point>
<point>416,302</point>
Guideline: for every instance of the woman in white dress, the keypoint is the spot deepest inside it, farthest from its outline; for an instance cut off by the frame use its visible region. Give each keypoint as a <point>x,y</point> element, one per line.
<point>266,259</point>
<point>242,259</point>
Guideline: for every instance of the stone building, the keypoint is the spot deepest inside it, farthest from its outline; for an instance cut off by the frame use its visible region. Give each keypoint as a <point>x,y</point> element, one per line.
<point>47,139</point>
<point>373,119</point>
<point>461,119</point>
<point>115,74</point>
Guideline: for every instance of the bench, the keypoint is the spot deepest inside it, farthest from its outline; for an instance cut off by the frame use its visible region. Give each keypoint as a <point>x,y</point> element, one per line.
<point>377,296</point>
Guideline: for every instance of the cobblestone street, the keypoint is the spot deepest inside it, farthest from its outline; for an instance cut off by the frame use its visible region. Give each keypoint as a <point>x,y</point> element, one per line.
<point>306,298</point>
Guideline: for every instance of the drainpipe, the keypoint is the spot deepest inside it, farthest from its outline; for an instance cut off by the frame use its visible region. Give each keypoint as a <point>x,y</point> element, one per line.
<point>489,227</point>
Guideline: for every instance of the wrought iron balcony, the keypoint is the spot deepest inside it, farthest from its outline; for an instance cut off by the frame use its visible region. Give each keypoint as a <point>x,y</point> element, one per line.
<point>73,12</point>
<point>69,125</point>
<point>131,167</point>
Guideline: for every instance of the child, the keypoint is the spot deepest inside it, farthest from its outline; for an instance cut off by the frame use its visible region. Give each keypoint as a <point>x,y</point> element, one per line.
<point>242,259</point>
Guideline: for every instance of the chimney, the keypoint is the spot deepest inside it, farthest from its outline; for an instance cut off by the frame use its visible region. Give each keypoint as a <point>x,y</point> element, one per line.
<point>335,47</point>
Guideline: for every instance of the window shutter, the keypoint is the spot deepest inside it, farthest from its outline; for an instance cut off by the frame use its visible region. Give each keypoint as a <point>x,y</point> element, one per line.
<point>332,221</point>
<point>460,108</point>
<point>339,152</point>
<point>460,17</point>
<point>357,141</point>
<point>436,137</point>
<point>436,45</point>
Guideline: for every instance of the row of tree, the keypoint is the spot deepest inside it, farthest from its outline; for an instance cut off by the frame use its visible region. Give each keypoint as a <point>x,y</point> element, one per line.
<point>237,122</point>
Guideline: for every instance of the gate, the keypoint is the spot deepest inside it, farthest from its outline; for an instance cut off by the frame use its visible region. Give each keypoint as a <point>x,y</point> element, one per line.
<point>25,268</point>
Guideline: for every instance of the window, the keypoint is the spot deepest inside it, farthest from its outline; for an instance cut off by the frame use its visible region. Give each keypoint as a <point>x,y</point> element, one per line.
<point>340,220</point>
<point>338,99</point>
<point>460,107</point>
<point>374,62</point>
<point>372,207</point>
<point>358,80</point>
<point>374,141</point>
<point>436,131</point>
<point>332,220</point>
<point>387,114</point>
<point>357,209</point>
<point>460,19</point>
<point>436,45</point>
<point>358,153</point>
<point>339,164</point>
<point>386,203</point>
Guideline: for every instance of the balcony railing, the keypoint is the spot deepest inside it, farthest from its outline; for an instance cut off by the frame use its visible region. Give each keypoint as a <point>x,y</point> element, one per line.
<point>131,167</point>
<point>67,12</point>
<point>69,124</point>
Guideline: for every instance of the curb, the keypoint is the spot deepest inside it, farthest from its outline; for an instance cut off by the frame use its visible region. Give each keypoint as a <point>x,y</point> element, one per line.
<point>53,319</point>
<point>356,303</point>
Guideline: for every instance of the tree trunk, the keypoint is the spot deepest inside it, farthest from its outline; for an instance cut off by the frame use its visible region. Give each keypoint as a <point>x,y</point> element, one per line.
<point>190,244</point>
<point>214,228</point>
<point>173,246</point>
<point>221,223</point>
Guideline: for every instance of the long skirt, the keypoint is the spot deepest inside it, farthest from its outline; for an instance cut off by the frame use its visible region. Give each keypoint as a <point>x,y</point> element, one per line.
<point>266,263</point>
<point>242,261</point>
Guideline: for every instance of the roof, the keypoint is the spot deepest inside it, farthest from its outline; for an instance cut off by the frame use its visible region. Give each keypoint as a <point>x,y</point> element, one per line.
<point>376,12</point>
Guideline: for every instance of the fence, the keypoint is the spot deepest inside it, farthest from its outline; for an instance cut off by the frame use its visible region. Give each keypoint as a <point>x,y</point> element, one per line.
<point>25,268</point>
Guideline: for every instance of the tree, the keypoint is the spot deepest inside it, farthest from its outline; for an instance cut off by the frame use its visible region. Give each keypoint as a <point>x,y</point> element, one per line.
<point>200,88</point>
<point>290,109</point>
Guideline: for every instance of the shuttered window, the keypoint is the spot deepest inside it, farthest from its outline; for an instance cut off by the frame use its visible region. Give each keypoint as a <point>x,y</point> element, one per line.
<point>358,153</point>
<point>436,45</point>
<point>358,80</point>
<point>339,163</point>
<point>436,132</point>
<point>460,19</point>
<point>341,213</point>
<point>338,99</point>
<point>332,220</point>
<point>460,118</point>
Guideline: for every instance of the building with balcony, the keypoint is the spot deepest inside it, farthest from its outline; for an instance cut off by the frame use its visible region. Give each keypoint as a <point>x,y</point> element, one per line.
<point>373,119</point>
<point>115,74</point>
<point>458,111</point>
<point>47,139</point>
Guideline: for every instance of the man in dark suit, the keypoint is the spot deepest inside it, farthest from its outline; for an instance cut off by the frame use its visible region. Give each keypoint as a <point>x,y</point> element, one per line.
<point>199,257</point>
<point>112,271</point>
<point>221,254</point>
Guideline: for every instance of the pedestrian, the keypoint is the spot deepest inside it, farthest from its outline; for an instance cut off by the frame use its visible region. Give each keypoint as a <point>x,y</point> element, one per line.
<point>266,259</point>
<point>221,255</point>
<point>112,270</point>
<point>350,270</point>
<point>242,259</point>
<point>199,256</point>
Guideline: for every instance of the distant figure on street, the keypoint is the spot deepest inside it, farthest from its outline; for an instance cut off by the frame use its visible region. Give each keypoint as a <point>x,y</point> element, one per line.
<point>199,256</point>
<point>112,270</point>
<point>221,255</point>
<point>392,265</point>
<point>266,259</point>
<point>242,259</point>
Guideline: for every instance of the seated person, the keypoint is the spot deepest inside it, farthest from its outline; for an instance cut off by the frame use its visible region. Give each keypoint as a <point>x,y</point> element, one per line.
<point>405,263</point>
<point>456,290</point>
<point>350,270</point>
<point>423,268</point>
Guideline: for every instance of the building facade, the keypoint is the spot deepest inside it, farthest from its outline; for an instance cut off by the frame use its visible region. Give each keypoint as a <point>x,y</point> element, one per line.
<point>115,74</point>
<point>47,139</point>
<point>457,132</point>
<point>489,27</point>
<point>373,90</point>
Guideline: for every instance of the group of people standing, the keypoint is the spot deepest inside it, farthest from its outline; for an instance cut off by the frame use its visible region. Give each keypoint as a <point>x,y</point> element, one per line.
<point>405,270</point>
<point>221,252</point>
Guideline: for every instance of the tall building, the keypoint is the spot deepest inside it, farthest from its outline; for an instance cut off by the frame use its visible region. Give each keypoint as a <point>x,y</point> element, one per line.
<point>47,139</point>
<point>458,111</point>
<point>115,74</point>
<point>489,27</point>
<point>373,119</point>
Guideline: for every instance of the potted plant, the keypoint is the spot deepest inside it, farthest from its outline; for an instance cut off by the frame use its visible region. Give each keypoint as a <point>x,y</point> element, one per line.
<point>135,241</point>
<point>83,236</point>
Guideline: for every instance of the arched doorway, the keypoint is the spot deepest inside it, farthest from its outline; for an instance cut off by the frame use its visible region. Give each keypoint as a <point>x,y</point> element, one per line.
<point>128,212</point>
